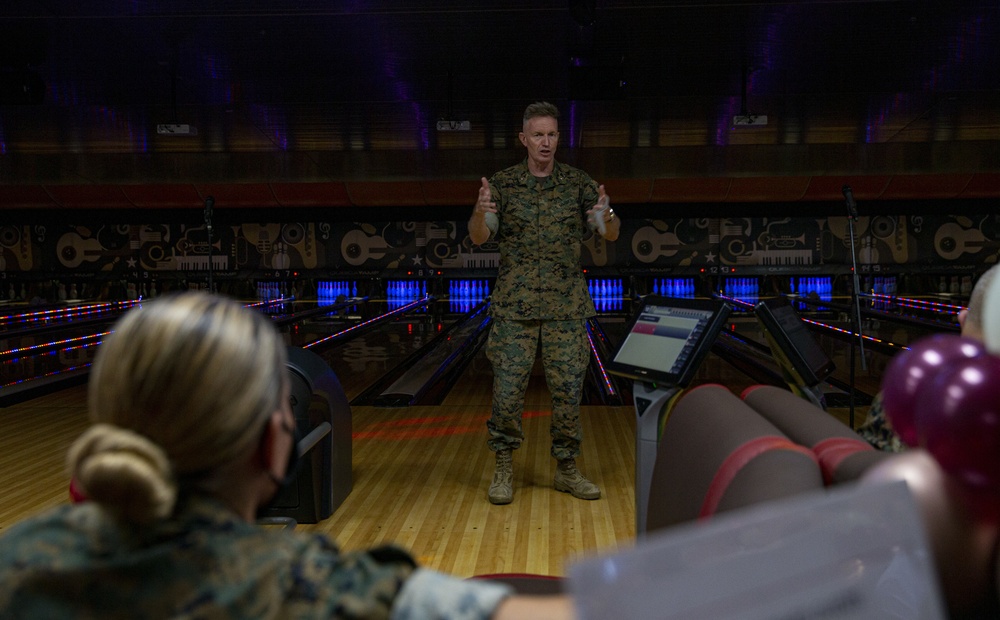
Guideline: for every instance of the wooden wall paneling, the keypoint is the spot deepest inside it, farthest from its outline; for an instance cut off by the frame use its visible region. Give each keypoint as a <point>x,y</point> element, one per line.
<point>767,189</point>
<point>697,189</point>
<point>386,194</point>
<point>163,196</point>
<point>90,196</point>
<point>830,188</point>
<point>982,185</point>
<point>628,191</point>
<point>451,193</point>
<point>239,195</point>
<point>26,197</point>
<point>331,194</point>
<point>924,186</point>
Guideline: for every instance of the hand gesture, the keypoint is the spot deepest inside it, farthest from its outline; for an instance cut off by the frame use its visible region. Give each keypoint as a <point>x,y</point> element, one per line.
<point>485,202</point>
<point>603,202</point>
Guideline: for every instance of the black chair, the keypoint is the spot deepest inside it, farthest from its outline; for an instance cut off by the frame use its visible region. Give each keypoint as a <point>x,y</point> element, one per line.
<point>323,417</point>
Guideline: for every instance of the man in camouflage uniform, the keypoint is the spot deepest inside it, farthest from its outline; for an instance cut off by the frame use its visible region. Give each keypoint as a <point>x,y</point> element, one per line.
<point>538,211</point>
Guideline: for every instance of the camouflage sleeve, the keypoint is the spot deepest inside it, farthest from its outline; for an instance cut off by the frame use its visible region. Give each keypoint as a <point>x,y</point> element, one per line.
<point>360,584</point>
<point>430,595</point>
<point>493,223</point>
<point>588,191</point>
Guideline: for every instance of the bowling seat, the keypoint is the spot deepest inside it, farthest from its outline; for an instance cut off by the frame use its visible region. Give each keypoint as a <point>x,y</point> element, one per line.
<point>716,453</point>
<point>842,454</point>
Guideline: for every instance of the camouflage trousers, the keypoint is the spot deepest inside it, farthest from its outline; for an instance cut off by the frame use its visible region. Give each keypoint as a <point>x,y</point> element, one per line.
<point>565,353</point>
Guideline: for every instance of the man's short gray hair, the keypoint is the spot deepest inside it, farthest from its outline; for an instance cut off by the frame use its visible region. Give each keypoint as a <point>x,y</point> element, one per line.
<point>540,109</point>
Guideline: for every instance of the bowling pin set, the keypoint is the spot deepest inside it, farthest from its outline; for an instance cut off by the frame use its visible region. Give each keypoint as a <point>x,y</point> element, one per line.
<point>822,286</point>
<point>743,289</point>
<point>882,290</point>
<point>401,292</point>
<point>464,295</point>
<point>674,287</point>
<point>268,290</point>
<point>607,293</point>
<point>332,289</point>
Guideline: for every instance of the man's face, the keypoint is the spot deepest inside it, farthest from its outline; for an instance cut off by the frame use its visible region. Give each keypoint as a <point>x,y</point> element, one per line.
<point>540,137</point>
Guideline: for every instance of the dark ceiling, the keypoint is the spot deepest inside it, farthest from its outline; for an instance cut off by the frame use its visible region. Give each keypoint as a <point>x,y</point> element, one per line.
<point>320,100</point>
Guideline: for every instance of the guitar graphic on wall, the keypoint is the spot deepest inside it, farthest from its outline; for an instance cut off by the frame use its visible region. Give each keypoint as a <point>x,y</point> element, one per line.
<point>358,247</point>
<point>597,245</point>
<point>649,244</point>
<point>951,241</point>
<point>73,250</point>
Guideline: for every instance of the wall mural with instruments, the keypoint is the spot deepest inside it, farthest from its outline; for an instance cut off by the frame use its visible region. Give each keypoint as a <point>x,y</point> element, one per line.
<point>960,243</point>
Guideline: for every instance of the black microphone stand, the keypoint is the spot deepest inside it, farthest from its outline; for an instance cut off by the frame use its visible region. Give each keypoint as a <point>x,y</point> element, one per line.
<point>209,203</point>
<point>852,216</point>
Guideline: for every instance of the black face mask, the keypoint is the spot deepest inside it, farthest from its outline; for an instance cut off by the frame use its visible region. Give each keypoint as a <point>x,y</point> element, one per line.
<point>294,459</point>
<point>291,471</point>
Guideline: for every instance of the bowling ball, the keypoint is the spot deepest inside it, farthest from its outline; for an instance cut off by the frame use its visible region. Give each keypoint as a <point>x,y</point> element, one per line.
<point>911,371</point>
<point>958,421</point>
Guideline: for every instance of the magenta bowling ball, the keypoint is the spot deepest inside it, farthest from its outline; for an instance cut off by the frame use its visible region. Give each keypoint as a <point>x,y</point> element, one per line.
<point>910,371</point>
<point>958,420</point>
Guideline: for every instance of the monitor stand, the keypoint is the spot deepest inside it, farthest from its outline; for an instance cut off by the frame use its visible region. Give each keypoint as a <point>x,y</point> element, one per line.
<point>652,406</point>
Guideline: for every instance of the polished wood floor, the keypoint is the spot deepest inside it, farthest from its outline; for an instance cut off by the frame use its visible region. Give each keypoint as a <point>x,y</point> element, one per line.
<point>420,479</point>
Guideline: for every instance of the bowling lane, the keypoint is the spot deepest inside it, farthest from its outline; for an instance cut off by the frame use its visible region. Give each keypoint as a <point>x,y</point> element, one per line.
<point>362,360</point>
<point>41,349</point>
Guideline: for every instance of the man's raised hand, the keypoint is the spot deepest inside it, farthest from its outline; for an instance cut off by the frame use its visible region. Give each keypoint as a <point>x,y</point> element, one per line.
<point>485,202</point>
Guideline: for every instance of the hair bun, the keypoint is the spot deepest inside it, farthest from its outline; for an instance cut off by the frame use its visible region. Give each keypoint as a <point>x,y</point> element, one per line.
<point>124,472</point>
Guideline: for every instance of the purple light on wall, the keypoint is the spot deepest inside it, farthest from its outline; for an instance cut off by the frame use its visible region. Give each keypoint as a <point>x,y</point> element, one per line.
<point>140,137</point>
<point>423,131</point>
<point>573,125</point>
<point>725,123</point>
<point>875,121</point>
<point>218,71</point>
<point>275,129</point>
<point>211,67</point>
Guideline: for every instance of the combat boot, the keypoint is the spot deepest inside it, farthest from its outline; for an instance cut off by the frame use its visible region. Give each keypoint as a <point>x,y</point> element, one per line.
<point>502,490</point>
<point>569,480</point>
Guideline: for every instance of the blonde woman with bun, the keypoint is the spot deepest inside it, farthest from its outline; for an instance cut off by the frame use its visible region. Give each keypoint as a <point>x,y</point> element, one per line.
<point>192,434</point>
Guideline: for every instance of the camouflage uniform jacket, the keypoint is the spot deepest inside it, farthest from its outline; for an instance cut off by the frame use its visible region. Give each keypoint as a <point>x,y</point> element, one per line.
<point>74,562</point>
<point>541,226</point>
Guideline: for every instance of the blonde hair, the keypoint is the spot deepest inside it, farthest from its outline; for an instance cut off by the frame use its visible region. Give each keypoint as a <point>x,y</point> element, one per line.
<point>182,387</point>
<point>974,317</point>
